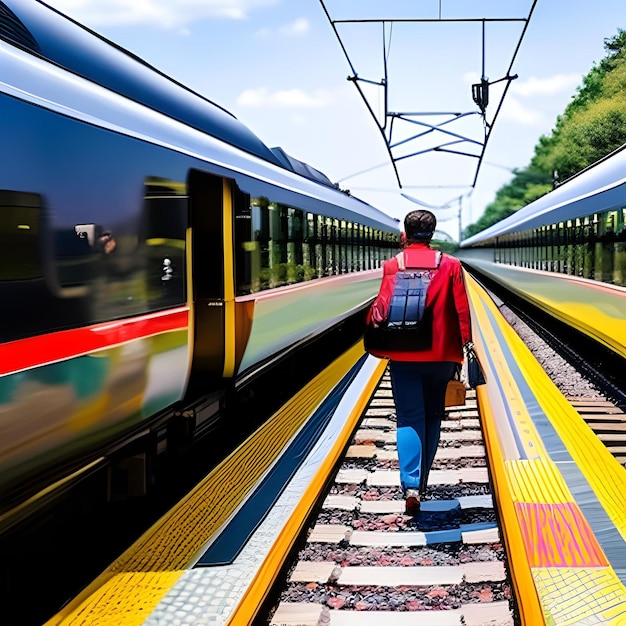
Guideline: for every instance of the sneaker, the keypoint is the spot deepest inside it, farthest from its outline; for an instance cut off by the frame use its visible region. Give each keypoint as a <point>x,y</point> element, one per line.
<point>412,501</point>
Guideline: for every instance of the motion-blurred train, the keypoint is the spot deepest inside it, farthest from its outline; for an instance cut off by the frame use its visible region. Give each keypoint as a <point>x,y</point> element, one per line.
<point>578,229</point>
<point>152,248</point>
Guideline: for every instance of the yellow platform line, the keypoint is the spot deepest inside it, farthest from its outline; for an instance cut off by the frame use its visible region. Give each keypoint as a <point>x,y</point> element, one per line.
<point>531,613</point>
<point>132,586</point>
<point>537,508</point>
<point>257,590</point>
<point>537,481</point>
<point>606,476</point>
<point>566,606</point>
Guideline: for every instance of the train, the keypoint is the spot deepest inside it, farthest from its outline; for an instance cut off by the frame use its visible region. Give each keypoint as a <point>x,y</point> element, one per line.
<point>153,252</point>
<point>577,229</point>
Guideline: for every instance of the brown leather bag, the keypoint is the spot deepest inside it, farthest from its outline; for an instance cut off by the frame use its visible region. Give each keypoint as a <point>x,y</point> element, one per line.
<point>455,393</point>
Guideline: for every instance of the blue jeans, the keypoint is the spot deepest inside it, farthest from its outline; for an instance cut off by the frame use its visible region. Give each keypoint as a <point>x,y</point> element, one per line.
<point>419,392</point>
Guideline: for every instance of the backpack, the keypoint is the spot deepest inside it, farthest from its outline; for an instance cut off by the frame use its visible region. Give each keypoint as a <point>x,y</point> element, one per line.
<point>407,323</point>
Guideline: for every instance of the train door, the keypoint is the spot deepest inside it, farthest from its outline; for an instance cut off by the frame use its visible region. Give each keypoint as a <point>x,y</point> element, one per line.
<point>211,280</point>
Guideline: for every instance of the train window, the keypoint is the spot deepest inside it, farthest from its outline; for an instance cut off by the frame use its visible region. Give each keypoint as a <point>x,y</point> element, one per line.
<point>343,244</point>
<point>620,224</point>
<point>592,246</point>
<point>280,245</point>
<point>247,252</point>
<point>368,248</point>
<point>134,270</point>
<point>373,248</point>
<point>320,245</point>
<point>163,241</point>
<point>75,255</point>
<point>275,274</point>
<point>364,247</point>
<point>336,235</point>
<point>360,256</point>
<point>20,257</point>
<point>327,246</point>
<point>607,223</point>
<point>350,247</point>
<point>309,259</point>
<point>295,235</point>
<point>255,244</point>
<point>275,245</point>
<point>331,248</point>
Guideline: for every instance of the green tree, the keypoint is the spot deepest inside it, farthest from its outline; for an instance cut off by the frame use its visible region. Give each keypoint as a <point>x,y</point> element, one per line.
<point>590,135</point>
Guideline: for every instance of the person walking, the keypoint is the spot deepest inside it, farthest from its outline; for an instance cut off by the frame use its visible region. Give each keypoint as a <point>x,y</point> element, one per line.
<point>419,377</point>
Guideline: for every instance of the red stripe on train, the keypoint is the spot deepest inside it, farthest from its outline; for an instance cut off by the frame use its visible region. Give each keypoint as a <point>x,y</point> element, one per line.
<point>34,351</point>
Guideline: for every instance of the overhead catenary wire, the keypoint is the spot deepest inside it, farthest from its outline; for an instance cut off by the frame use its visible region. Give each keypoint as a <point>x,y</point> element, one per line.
<point>390,120</point>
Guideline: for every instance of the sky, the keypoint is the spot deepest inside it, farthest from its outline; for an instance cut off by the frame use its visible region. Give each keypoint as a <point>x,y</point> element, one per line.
<point>278,66</point>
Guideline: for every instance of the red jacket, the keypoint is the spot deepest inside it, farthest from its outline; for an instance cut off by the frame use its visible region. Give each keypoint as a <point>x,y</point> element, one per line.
<point>447,298</point>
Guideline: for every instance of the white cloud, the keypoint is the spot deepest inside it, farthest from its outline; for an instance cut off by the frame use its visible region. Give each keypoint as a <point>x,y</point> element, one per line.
<point>296,28</point>
<point>469,78</point>
<point>551,85</point>
<point>287,98</point>
<point>175,14</point>
<point>514,110</point>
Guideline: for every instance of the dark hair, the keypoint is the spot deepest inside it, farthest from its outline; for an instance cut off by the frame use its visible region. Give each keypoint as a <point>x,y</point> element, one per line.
<point>419,225</point>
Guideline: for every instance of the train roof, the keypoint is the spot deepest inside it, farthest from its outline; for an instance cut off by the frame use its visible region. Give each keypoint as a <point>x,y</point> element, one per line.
<point>42,30</point>
<point>600,187</point>
<point>34,80</point>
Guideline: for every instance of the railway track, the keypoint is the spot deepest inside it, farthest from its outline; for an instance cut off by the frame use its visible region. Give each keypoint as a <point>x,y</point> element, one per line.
<point>364,561</point>
<point>589,375</point>
<point>589,389</point>
<point>607,421</point>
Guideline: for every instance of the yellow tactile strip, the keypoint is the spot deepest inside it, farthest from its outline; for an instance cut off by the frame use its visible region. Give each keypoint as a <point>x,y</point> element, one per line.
<point>538,481</point>
<point>564,603</point>
<point>562,556</point>
<point>605,474</point>
<point>252,598</point>
<point>128,590</point>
